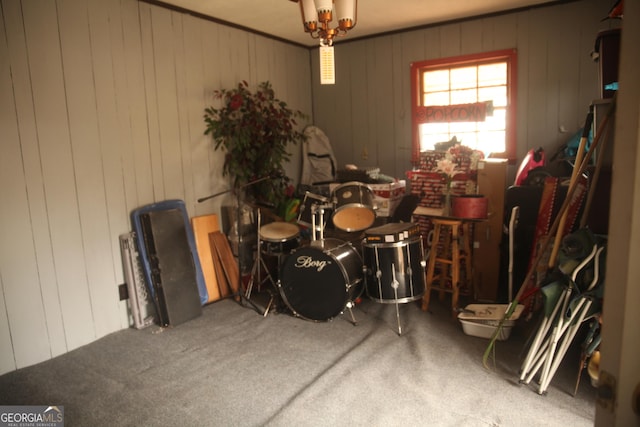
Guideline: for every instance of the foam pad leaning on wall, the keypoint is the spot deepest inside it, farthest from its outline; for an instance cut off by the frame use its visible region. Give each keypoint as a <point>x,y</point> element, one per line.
<point>170,261</point>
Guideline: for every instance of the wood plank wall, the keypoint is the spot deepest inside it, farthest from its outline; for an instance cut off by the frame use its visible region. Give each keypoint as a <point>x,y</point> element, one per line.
<point>101,105</point>
<point>367,114</point>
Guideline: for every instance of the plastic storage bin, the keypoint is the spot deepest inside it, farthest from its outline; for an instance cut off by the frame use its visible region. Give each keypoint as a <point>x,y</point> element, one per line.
<point>481,320</point>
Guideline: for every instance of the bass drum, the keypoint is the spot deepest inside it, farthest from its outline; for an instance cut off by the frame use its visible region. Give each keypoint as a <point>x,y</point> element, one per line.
<point>318,281</point>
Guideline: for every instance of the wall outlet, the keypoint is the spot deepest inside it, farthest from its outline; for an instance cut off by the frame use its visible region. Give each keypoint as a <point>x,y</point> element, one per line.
<point>123,291</point>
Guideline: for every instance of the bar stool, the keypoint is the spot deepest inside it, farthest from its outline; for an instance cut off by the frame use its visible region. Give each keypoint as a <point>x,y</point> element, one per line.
<point>455,253</point>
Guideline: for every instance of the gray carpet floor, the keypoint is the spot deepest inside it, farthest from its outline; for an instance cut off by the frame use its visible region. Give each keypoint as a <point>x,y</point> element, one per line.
<point>234,367</point>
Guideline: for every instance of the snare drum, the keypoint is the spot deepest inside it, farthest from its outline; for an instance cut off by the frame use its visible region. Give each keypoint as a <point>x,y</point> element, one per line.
<point>354,204</point>
<point>318,281</point>
<point>394,262</point>
<point>279,238</point>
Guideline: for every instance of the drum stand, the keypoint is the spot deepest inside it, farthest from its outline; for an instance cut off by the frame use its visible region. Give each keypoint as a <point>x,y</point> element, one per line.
<point>317,209</point>
<point>258,266</point>
<point>394,285</point>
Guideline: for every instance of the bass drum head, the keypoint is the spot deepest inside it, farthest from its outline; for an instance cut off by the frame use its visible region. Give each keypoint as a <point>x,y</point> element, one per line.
<point>354,209</point>
<point>317,281</point>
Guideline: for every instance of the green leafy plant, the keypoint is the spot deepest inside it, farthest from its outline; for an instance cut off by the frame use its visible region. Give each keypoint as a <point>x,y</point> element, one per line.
<point>254,129</point>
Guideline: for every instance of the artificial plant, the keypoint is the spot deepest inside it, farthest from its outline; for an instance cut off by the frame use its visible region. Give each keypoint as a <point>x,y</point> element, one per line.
<point>255,129</point>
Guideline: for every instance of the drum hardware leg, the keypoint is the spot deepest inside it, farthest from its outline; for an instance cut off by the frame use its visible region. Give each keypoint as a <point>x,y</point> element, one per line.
<point>378,273</point>
<point>353,319</point>
<point>321,220</point>
<point>266,310</point>
<point>256,271</point>
<point>394,285</point>
<point>313,222</point>
<point>259,265</point>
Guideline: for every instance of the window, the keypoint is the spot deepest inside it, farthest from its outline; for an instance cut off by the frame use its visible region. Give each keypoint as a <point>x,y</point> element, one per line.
<point>471,98</point>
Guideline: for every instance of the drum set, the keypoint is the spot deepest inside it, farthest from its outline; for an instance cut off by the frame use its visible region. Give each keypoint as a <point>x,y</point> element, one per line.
<point>319,279</point>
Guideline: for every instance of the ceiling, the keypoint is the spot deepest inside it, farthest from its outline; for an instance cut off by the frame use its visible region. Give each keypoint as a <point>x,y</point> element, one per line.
<point>281,18</point>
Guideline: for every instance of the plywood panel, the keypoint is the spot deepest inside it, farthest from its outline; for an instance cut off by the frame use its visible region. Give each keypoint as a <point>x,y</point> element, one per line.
<point>360,133</point>
<point>344,99</point>
<point>154,147</point>
<point>412,46</point>
<point>85,146</point>
<point>99,160</point>
<point>30,152</point>
<point>212,62</point>
<point>203,226</point>
<point>124,96</point>
<point>164,63</point>
<point>450,40</point>
<point>41,28</point>
<point>196,146</point>
<point>17,253</point>
<point>226,46</point>
<point>381,87</point>
<point>566,66</point>
<point>587,69</point>
<point>400,101</point>
<point>114,12</point>
<point>522,113</point>
<point>263,58</point>
<point>471,37</point>
<point>503,34</point>
<point>182,114</point>
<point>7,357</point>
<point>134,98</point>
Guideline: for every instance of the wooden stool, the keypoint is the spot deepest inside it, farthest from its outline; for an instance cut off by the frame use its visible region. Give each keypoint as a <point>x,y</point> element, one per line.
<point>452,255</point>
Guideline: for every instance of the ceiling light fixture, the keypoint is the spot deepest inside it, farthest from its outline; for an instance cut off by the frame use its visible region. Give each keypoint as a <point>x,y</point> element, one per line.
<point>318,16</point>
<point>318,21</point>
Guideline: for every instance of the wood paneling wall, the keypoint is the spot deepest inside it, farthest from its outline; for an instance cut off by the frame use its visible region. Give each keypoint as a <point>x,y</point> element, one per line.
<point>101,105</point>
<point>367,114</point>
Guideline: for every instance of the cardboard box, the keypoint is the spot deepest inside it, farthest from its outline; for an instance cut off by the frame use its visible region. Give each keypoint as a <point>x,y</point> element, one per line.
<point>387,197</point>
<point>389,190</point>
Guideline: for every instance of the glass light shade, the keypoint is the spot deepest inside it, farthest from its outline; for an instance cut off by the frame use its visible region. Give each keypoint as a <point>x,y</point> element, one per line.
<point>346,13</point>
<point>324,6</point>
<point>309,15</point>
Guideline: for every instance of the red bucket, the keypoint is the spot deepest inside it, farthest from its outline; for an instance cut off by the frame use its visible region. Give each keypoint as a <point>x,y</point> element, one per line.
<point>473,206</point>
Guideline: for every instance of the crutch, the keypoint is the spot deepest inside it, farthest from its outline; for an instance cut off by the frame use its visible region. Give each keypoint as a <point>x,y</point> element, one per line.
<point>580,312</point>
<point>547,347</point>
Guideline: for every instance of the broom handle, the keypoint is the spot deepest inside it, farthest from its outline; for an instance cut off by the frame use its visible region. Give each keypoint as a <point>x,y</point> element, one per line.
<point>574,177</point>
<point>593,183</point>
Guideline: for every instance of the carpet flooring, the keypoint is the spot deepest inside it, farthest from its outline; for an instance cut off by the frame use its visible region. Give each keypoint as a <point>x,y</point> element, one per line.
<point>233,367</point>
